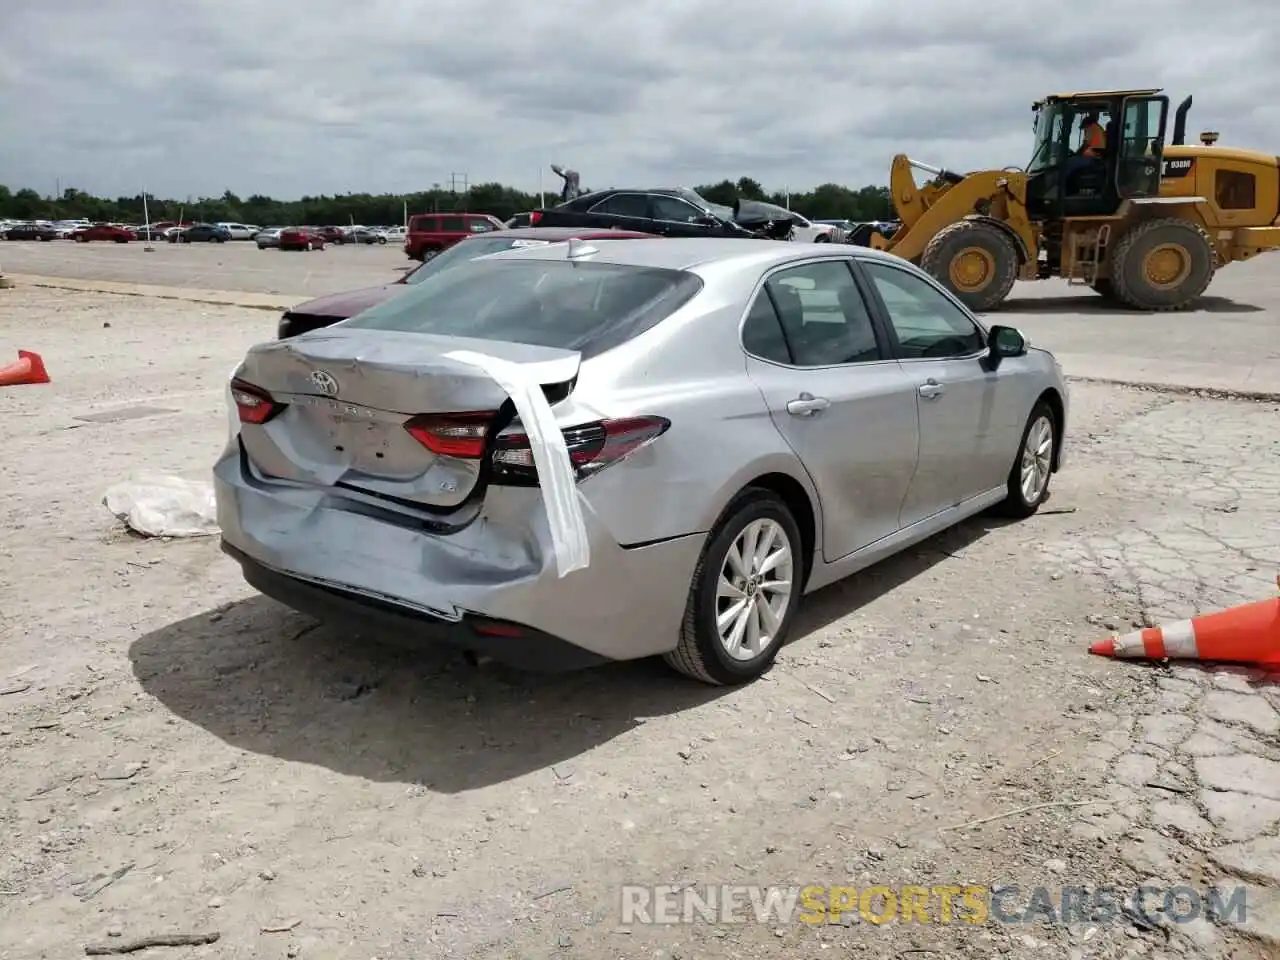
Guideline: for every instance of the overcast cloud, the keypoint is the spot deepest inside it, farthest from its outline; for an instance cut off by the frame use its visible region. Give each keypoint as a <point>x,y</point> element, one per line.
<point>294,97</point>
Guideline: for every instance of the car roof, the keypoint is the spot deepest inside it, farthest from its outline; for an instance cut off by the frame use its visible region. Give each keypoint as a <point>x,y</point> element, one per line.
<point>687,253</point>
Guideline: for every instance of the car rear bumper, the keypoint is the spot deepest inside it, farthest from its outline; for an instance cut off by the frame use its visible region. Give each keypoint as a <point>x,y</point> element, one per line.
<point>308,549</point>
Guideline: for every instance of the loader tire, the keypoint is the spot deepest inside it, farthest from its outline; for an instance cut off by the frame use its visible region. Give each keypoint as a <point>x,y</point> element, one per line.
<point>976,261</point>
<point>1161,265</point>
<point>1104,289</point>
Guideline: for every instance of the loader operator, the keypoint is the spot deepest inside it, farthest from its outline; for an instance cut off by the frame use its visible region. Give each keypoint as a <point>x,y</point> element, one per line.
<point>1093,142</point>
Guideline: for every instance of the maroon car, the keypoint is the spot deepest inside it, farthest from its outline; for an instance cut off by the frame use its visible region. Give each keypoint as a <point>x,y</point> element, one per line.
<point>301,238</point>
<point>103,231</point>
<point>325,311</point>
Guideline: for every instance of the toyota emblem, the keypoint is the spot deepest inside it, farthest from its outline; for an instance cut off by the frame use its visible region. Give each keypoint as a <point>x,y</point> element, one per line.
<point>324,383</point>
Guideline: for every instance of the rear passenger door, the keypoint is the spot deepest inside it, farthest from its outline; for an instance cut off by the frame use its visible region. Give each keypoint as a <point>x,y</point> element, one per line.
<point>966,417</point>
<point>837,396</point>
<point>626,211</point>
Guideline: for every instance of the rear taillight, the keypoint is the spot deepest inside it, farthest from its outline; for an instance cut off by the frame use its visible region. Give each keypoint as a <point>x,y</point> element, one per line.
<point>592,447</point>
<point>452,435</point>
<point>535,218</point>
<point>253,404</point>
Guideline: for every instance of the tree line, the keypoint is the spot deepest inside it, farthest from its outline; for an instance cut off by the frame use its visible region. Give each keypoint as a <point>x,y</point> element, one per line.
<point>828,201</point>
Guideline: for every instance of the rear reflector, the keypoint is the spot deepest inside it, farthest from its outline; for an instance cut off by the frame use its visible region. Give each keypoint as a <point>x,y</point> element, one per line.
<point>253,404</point>
<point>453,434</point>
<point>592,447</point>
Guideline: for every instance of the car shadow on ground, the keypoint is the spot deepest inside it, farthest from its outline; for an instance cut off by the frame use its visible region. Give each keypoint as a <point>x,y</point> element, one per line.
<point>1098,306</point>
<point>267,680</point>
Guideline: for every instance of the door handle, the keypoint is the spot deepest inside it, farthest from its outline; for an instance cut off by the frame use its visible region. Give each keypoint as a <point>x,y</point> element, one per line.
<point>931,389</point>
<point>806,405</point>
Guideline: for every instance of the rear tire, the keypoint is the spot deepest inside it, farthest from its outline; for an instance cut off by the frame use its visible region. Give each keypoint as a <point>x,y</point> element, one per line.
<point>1032,470</point>
<point>976,261</point>
<point>720,585</point>
<point>1104,289</point>
<point>1162,264</point>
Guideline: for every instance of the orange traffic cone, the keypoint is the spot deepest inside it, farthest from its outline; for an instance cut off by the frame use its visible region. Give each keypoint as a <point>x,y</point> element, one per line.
<point>1244,634</point>
<point>29,368</point>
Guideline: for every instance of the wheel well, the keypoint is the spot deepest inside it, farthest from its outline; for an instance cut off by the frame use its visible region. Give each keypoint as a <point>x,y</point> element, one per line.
<point>1054,400</point>
<point>797,500</point>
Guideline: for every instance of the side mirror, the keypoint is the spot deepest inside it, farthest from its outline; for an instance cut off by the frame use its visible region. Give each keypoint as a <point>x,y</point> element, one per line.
<point>1008,341</point>
<point>1004,342</point>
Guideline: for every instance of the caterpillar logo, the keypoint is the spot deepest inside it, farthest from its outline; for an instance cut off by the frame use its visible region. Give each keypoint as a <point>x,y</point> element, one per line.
<point>1178,168</point>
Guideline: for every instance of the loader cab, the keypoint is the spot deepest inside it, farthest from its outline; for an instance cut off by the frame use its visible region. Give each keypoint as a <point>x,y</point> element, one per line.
<point>1063,184</point>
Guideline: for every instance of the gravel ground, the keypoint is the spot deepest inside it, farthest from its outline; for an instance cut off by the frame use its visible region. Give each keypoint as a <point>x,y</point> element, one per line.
<point>180,755</point>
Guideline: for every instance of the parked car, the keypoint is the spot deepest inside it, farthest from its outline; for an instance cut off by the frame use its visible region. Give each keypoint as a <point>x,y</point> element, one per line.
<point>861,233</point>
<point>300,238</point>
<point>328,310</point>
<point>804,230</point>
<point>102,231</point>
<point>329,234</point>
<point>366,235</point>
<point>746,422</point>
<point>152,232</point>
<point>268,238</point>
<point>672,212</point>
<point>241,231</point>
<point>31,231</point>
<point>200,233</point>
<point>396,234</point>
<point>431,233</point>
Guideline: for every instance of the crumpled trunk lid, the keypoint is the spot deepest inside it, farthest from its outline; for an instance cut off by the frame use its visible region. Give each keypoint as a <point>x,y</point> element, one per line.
<point>348,395</point>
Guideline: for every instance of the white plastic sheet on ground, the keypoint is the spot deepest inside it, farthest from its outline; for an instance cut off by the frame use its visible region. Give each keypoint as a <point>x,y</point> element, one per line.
<point>163,506</point>
<point>550,457</point>
<point>233,415</point>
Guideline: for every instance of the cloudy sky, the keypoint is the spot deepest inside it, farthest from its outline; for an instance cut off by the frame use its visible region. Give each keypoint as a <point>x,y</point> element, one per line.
<point>294,97</point>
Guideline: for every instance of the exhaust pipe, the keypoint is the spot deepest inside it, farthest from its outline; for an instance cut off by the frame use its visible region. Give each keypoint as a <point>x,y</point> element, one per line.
<point>1180,124</point>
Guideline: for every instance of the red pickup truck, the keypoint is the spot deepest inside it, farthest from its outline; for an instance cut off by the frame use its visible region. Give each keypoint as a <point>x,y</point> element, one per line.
<point>431,233</point>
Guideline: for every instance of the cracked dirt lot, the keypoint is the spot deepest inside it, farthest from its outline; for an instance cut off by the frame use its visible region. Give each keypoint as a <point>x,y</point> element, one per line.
<point>182,756</point>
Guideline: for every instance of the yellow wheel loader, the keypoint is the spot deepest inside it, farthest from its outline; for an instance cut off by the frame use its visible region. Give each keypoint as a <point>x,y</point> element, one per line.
<point>1143,224</point>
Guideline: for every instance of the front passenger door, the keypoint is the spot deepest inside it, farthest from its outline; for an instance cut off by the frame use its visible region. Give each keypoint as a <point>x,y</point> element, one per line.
<point>674,217</point>
<point>966,419</point>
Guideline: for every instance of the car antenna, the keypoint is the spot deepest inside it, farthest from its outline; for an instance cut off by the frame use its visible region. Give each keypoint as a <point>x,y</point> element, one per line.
<point>579,248</point>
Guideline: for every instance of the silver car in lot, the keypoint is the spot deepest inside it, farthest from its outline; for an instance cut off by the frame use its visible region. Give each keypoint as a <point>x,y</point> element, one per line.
<point>744,422</point>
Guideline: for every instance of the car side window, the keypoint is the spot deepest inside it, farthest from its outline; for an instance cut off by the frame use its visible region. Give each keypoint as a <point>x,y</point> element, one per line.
<point>928,325</point>
<point>624,205</point>
<point>823,315</point>
<point>673,209</point>
<point>762,334</point>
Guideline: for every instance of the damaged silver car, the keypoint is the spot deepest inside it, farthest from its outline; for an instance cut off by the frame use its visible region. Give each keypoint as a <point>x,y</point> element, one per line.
<point>572,454</point>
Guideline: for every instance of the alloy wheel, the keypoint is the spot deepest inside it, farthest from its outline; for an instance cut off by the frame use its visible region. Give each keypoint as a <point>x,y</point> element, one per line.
<point>753,591</point>
<point>1037,459</point>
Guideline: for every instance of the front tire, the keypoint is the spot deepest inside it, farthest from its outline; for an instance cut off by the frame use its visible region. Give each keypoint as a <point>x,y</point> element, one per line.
<point>1028,483</point>
<point>976,261</point>
<point>744,594</point>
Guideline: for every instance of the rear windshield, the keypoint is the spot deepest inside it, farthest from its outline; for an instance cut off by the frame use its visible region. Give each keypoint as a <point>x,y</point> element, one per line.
<point>422,223</point>
<point>589,307</point>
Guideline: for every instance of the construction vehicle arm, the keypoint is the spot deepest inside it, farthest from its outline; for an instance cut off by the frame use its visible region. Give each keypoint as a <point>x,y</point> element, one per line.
<point>924,211</point>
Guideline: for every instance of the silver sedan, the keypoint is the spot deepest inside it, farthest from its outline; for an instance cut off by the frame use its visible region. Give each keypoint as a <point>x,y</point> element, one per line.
<point>570,454</point>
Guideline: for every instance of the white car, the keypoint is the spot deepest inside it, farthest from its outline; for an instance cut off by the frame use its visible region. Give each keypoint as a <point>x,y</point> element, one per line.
<point>806,231</point>
<point>241,231</point>
<point>395,234</point>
